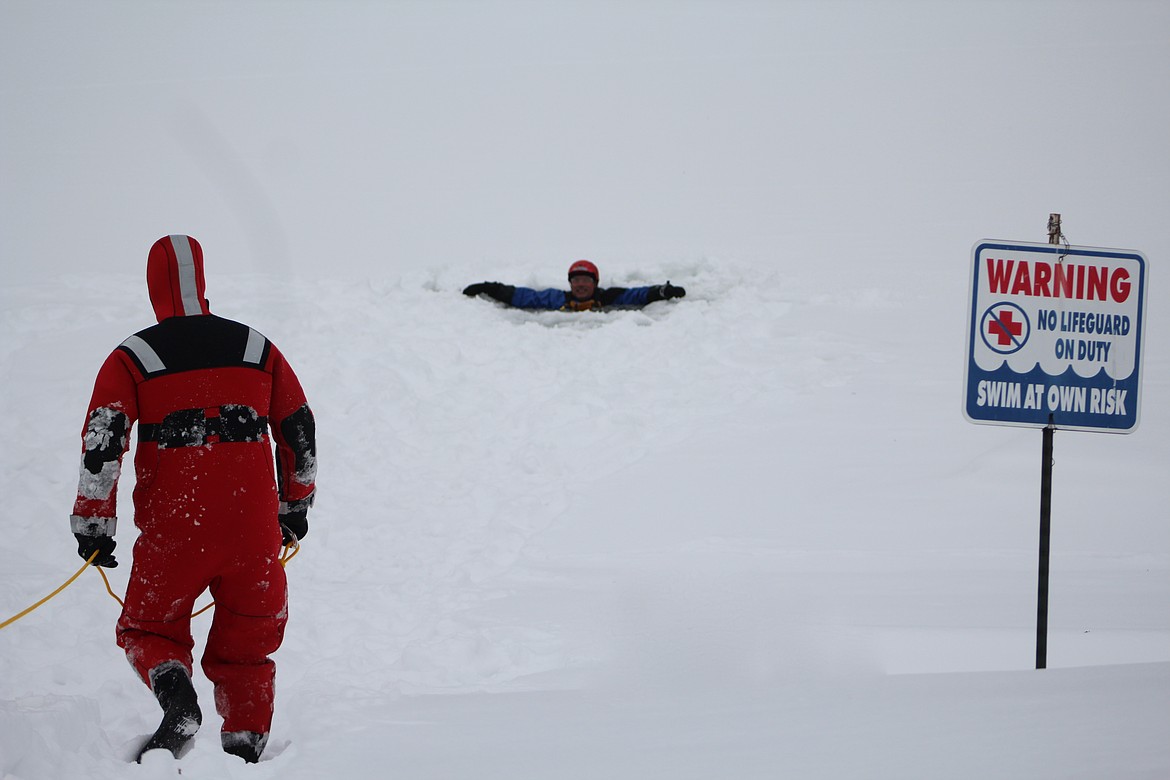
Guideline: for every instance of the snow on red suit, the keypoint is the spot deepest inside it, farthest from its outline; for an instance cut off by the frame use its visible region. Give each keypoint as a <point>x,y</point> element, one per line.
<point>204,391</point>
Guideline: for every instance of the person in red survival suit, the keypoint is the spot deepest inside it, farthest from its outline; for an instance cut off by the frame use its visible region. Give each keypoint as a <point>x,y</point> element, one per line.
<point>211,511</point>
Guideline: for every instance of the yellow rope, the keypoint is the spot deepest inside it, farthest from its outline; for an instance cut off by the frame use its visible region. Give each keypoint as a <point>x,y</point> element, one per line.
<point>68,582</point>
<point>109,590</point>
<point>287,554</point>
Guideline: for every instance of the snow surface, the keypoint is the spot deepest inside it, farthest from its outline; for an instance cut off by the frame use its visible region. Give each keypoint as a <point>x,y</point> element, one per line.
<point>747,534</point>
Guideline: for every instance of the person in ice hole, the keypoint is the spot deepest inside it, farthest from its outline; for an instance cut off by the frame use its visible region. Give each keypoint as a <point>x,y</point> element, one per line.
<point>584,294</point>
<point>209,397</point>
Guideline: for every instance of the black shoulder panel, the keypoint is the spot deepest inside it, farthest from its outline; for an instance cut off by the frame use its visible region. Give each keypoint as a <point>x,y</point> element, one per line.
<point>192,343</point>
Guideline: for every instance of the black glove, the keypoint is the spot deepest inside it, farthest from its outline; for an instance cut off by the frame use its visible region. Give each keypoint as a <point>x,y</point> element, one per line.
<point>664,291</point>
<point>102,545</point>
<point>671,291</point>
<point>294,520</point>
<point>293,529</point>
<point>501,292</point>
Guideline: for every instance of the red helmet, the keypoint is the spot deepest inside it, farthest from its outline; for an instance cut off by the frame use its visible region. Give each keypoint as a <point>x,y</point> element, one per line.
<point>584,267</point>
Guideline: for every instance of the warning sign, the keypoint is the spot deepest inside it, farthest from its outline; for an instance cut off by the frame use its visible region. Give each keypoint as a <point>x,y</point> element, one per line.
<point>1055,336</point>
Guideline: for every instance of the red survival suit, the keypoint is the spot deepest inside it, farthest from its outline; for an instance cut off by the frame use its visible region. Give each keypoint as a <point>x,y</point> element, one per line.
<point>204,391</point>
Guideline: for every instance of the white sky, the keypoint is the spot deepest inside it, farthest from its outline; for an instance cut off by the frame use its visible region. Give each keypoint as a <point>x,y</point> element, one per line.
<point>373,136</point>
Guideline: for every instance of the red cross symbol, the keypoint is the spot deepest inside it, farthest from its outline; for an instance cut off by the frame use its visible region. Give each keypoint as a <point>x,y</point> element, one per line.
<point>1004,326</point>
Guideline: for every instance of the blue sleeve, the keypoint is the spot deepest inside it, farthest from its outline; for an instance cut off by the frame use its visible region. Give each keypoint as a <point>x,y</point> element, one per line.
<point>631,296</point>
<point>527,298</point>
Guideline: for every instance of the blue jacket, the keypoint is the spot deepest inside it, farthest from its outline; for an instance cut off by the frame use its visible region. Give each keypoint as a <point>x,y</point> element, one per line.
<point>527,298</point>
<point>560,300</point>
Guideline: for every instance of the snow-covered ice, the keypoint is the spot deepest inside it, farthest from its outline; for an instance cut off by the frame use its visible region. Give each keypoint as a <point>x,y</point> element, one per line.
<point>747,534</point>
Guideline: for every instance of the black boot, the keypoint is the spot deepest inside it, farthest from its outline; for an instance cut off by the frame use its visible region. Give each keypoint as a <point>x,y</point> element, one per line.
<point>181,714</point>
<point>248,745</point>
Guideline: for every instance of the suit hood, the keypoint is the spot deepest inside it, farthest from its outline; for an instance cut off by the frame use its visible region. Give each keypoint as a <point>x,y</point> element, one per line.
<point>174,278</point>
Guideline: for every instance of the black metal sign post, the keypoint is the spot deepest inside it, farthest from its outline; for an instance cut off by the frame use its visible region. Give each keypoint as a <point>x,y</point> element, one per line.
<point>1045,510</point>
<point>1045,547</point>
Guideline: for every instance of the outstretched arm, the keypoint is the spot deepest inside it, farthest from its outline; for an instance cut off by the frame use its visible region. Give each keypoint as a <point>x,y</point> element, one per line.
<point>519,297</point>
<point>640,296</point>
